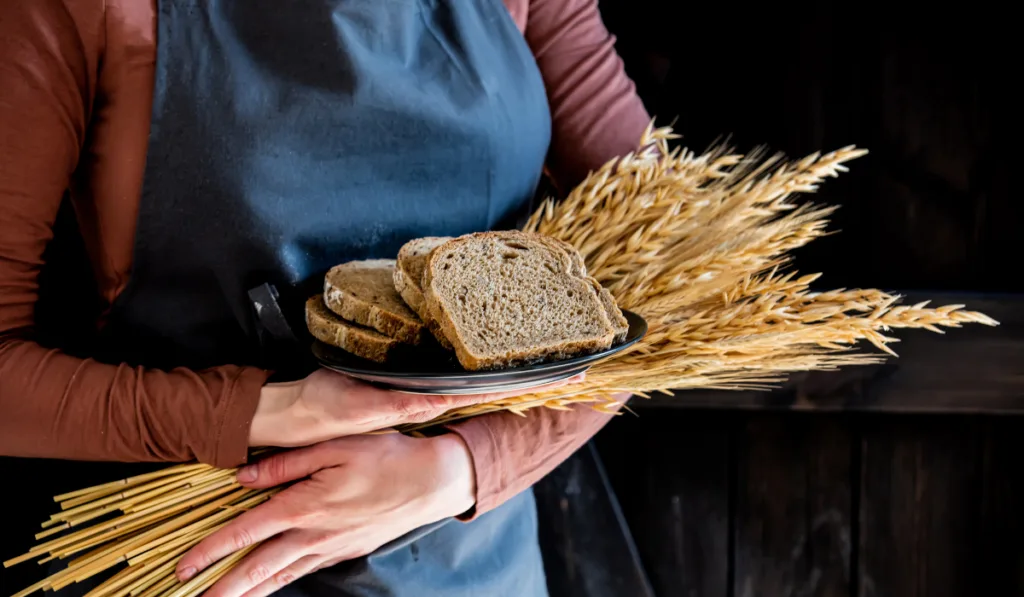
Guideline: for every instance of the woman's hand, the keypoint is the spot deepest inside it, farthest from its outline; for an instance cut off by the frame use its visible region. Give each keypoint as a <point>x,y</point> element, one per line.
<point>327,405</point>
<point>362,492</point>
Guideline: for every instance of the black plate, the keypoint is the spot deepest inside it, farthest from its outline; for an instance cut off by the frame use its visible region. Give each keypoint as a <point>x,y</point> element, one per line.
<point>419,373</point>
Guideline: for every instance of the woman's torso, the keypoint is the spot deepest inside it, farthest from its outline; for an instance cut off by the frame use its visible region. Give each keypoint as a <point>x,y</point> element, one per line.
<point>107,184</point>
<point>280,144</point>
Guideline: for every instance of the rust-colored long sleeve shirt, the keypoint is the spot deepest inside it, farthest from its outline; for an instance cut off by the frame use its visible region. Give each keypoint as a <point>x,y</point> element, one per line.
<point>76,82</point>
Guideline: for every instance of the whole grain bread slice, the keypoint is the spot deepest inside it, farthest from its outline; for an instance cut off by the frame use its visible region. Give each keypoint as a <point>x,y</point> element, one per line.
<point>579,267</point>
<point>412,260</point>
<point>363,292</point>
<point>611,309</point>
<point>509,298</point>
<point>327,327</point>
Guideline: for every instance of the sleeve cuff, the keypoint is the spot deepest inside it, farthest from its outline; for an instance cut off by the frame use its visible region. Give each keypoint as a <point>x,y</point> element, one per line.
<point>232,445</point>
<point>486,465</point>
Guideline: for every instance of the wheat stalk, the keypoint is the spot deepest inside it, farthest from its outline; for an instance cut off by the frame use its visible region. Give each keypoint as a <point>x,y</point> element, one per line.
<point>153,520</point>
<point>695,243</point>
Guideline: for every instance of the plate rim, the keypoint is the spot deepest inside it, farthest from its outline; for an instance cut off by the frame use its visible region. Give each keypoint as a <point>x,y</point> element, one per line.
<point>495,388</point>
<point>483,376</point>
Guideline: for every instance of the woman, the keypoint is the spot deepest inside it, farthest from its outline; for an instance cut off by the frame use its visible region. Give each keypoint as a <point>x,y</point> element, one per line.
<point>214,151</point>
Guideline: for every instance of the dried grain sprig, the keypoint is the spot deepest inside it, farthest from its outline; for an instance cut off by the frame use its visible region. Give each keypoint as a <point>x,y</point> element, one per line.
<point>695,244</point>
<point>150,532</point>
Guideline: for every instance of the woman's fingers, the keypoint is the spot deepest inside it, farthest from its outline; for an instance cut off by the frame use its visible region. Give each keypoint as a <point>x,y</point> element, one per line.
<point>264,565</point>
<point>285,467</point>
<point>285,577</point>
<point>417,408</point>
<point>262,522</point>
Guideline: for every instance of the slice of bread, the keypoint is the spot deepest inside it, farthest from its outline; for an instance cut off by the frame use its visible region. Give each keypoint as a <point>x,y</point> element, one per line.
<point>412,259</point>
<point>363,292</point>
<point>327,327</point>
<point>579,268</point>
<point>510,298</point>
<point>611,309</point>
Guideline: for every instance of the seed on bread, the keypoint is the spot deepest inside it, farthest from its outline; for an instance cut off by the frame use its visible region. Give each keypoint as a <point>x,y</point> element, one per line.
<point>330,329</point>
<point>363,292</point>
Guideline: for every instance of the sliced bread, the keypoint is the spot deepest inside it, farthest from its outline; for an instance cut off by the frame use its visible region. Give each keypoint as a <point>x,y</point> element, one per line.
<point>363,292</point>
<point>510,298</point>
<point>412,259</point>
<point>327,327</point>
<point>612,310</point>
<point>579,267</point>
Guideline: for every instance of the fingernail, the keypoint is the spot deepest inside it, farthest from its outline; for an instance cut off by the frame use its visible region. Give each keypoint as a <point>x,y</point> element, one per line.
<point>187,573</point>
<point>247,474</point>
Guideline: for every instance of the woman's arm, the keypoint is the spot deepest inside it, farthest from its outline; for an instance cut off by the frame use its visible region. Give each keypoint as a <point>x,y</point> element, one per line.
<point>595,111</point>
<point>51,404</point>
<point>596,117</point>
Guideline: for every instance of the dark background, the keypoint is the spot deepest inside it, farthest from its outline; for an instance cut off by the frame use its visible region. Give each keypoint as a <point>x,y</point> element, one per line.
<point>929,93</point>
<point>902,480</point>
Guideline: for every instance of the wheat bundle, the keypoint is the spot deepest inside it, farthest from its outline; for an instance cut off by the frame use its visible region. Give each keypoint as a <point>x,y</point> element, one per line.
<point>695,243</point>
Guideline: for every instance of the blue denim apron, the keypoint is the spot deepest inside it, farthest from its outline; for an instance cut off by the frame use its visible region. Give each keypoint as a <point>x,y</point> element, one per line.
<point>287,137</point>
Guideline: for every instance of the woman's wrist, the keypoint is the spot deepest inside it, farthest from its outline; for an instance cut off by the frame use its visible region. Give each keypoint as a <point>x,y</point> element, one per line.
<point>455,473</point>
<point>269,423</point>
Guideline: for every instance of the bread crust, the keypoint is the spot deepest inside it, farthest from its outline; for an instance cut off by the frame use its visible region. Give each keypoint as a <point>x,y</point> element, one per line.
<point>409,291</point>
<point>330,329</point>
<point>615,316</point>
<point>400,323</point>
<point>410,288</point>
